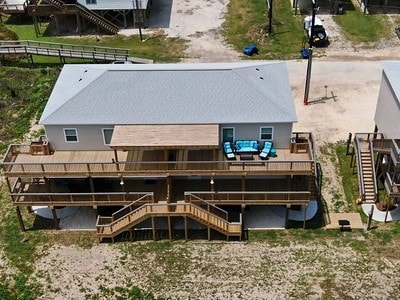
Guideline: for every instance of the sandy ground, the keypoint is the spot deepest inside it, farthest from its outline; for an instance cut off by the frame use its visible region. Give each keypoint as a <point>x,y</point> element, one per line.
<point>240,270</point>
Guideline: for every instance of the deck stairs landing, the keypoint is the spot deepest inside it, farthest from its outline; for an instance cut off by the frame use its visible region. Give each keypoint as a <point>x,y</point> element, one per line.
<point>87,14</point>
<point>109,227</point>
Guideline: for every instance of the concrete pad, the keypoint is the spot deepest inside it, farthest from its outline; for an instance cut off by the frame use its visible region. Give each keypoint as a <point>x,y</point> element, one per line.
<point>378,215</point>
<point>353,219</point>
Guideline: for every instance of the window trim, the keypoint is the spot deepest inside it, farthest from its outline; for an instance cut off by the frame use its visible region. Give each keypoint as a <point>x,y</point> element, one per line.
<point>233,133</point>
<point>76,134</point>
<point>272,133</point>
<point>104,136</point>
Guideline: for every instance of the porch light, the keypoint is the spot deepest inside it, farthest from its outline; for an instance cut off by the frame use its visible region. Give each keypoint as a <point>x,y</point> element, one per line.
<point>212,181</point>
<point>121,182</point>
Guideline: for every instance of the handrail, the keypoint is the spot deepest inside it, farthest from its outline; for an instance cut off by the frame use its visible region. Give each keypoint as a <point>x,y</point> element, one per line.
<point>96,15</point>
<point>128,208</point>
<point>240,196</point>
<point>390,184</point>
<point>359,164</point>
<point>209,207</point>
<point>373,171</point>
<point>62,46</point>
<point>56,198</point>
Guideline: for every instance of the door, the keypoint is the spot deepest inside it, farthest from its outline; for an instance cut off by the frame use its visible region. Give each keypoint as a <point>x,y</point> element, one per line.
<point>228,134</point>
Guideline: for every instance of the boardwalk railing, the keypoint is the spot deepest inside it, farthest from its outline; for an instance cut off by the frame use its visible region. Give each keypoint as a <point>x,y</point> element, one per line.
<point>63,50</point>
<point>97,53</point>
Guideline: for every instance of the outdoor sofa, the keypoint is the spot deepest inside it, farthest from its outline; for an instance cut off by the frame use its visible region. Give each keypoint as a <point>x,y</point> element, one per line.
<point>247,146</point>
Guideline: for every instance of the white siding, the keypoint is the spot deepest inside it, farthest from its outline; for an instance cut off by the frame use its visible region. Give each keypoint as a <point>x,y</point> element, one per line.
<point>387,114</point>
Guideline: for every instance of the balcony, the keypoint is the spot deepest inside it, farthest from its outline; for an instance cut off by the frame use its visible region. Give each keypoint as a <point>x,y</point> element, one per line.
<point>22,161</point>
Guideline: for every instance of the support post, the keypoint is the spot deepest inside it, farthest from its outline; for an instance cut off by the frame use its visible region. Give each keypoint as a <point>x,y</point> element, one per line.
<point>269,16</point>
<point>348,143</point>
<point>186,227</point>
<point>20,220</point>
<point>370,214</point>
<point>153,226</point>
<point>169,228</point>
<point>55,219</point>
<point>287,216</point>
<point>305,217</point>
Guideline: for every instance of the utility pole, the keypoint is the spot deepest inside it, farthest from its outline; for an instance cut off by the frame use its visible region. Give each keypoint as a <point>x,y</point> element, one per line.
<point>139,21</point>
<point>310,53</point>
<point>269,3</point>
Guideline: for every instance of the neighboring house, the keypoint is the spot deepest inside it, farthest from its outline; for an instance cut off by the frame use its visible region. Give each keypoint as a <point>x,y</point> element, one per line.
<point>378,153</point>
<point>106,15</point>
<point>150,138</point>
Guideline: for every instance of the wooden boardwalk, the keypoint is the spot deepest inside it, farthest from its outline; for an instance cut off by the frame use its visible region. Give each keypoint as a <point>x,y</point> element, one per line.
<point>95,53</point>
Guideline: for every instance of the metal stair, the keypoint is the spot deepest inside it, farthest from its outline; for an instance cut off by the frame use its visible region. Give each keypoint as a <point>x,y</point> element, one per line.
<point>87,14</point>
<point>109,227</point>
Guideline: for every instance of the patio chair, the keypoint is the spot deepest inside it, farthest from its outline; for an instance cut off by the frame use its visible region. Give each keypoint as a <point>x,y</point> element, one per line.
<point>228,151</point>
<point>265,152</point>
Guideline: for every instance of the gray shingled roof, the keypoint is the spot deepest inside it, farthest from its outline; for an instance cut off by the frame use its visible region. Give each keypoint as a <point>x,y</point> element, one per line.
<point>171,94</point>
<point>392,71</point>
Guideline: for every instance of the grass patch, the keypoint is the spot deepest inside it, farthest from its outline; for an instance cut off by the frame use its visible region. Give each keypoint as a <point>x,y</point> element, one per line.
<point>23,96</point>
<point>157,47</point>
<point>360,28</point>
<point>349,179</point>
<point>246,23</point>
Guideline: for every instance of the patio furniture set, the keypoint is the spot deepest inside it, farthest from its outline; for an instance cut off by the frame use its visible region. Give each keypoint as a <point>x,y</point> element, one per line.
<point>246,149</point>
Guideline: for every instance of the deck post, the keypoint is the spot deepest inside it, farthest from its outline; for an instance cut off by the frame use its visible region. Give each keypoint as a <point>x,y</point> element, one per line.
<point>153,227</point>
<point>57,24</point>
<point>169,228</point>
<point>20,220</point>
<point>186,228</point>
<point>287,216</point>
<point>305,217</point>
<point>55,219</point>
<point>29,209</point>
<point>78,21</point>
<point>209,233</point>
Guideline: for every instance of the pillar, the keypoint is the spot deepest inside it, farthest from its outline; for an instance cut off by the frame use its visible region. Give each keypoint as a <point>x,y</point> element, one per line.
<point>55,219</point>
<point>20,220</point>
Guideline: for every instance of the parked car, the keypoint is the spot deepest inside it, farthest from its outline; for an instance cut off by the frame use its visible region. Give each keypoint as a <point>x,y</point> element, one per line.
<point>320,37</point>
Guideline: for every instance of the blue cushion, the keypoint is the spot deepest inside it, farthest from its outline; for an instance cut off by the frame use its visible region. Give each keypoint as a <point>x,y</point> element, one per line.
<point>238,146</point>
<point>263,154</point>
<point>230,155</point>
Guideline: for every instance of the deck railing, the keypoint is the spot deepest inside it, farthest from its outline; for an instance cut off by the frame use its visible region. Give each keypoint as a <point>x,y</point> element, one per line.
<point>392,188</point>
<point>253,197</point>
<point>148,198</point>
<point>79,199</point>
<point>207,206</point>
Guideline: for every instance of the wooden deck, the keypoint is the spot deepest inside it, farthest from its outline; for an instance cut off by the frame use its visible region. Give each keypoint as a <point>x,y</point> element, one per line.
<point>20,162</point>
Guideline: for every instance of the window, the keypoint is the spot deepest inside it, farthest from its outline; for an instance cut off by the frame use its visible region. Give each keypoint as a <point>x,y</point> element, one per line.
<point>71,135</point>
<point>266,133</point>
<point>91,2</point>
<point>107,134</point>
<point>228,134</point>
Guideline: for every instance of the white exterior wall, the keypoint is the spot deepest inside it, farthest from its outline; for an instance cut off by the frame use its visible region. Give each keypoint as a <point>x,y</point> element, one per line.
<point>90,137</point>
<point>387,114</point>
<point>281,133</point>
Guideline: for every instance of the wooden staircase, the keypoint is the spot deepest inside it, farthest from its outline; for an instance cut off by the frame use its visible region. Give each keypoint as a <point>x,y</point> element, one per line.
<point>368,176</point>
<point>109,227</point>
<point>85,13</point>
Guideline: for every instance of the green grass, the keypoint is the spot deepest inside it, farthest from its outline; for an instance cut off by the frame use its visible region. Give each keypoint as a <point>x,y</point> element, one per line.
<point>23,96</point>
<point>349,179</point>
<point>156,47</point>
<point>360,28</point>
<point>247,22</point>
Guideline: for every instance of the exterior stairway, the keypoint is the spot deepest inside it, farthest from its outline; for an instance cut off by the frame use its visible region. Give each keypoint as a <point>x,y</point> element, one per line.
<point>368,176</point>
<point>87,14</point>
<point>109,227</point>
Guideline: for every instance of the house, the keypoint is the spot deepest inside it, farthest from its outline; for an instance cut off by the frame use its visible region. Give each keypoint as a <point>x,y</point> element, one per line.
<point>146,142</point>
<point>378,153</point>
<point>105,15</point>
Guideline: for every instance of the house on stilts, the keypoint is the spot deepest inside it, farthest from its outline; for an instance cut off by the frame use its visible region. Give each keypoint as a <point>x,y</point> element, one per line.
<point>190,144</point>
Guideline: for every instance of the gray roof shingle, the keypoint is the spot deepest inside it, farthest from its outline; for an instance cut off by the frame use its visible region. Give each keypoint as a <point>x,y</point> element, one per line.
<point>171,94</point>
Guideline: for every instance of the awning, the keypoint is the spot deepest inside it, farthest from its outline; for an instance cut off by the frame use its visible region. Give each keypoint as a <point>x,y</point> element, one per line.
<point>126,137</point>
